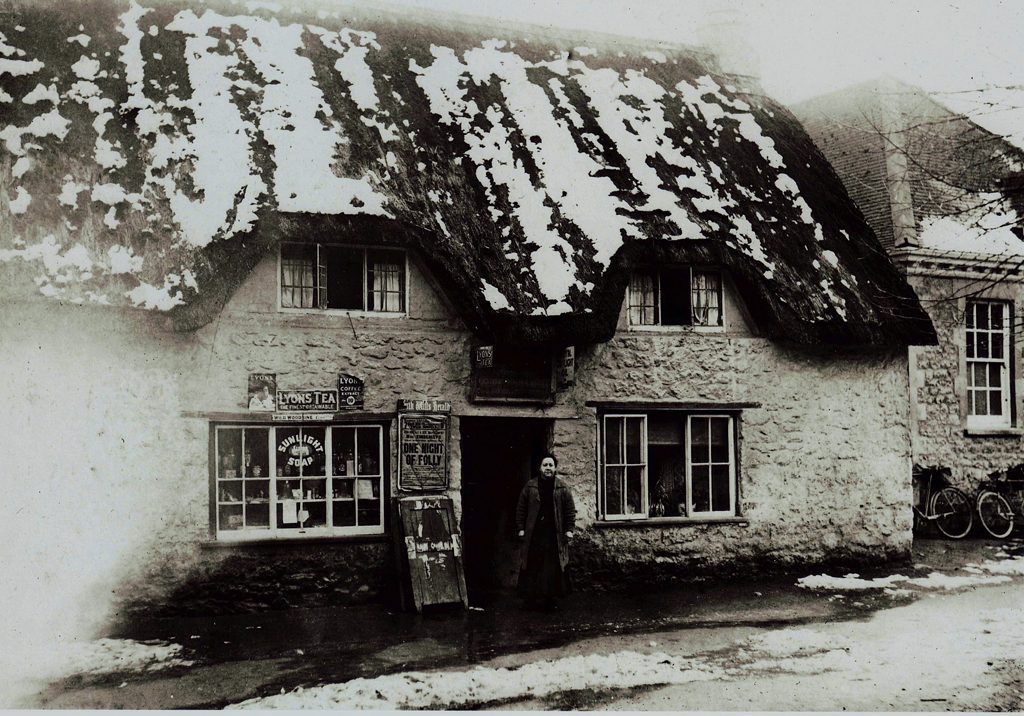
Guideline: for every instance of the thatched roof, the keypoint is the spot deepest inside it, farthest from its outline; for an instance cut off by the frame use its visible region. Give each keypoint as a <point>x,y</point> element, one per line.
<point>154,154</point>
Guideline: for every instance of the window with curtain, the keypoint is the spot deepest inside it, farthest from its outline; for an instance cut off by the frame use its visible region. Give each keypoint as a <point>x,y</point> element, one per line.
<point>341,277</point>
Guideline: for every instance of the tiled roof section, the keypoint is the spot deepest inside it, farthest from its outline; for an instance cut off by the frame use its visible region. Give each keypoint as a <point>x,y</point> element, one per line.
<point>955,168</point>
<point>856,150</point>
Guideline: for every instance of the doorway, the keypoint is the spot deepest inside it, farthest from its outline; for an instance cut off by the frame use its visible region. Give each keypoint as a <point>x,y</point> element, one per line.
<point>499,455</point>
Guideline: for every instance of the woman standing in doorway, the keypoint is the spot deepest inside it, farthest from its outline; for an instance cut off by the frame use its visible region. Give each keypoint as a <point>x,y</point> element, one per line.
<point>545,517</point>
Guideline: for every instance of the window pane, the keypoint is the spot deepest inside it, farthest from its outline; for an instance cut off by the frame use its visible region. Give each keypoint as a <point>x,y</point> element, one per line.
<point>675,297</point>
<point>995,375</point>
<point>368,458</point>
<point>971,340</point>
<point>298,270</point>
<point>997,345</point>
<point>315,514</point>
<point>257,461</point>
<point>699,440</point>
<point>634,490</point>
<point>700,495</point>
<point>982,351</point>
<point>977,374</point>
<point>229,517</point>
<point>368,501</point>
<point>314,462</point>
<point>229,453</point>
<point>613,504</point>
<point>997,316</point>
<point>719,440</point>
<point>643,300</point>
<point>720,489</point>
<point>344,277</point>
<point>343,446</point>
<point>344,513</point>
<point>706,298</point>
<point>972,308</point>
<point>995,403</point>
<point>980,402</point>
<point>289,452</point>
<point>385,281</point>
<point>633,441</point>
<point>613,453</point>
<point>982,315</point>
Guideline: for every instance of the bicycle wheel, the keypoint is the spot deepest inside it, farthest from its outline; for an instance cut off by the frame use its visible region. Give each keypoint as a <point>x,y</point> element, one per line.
<point>953,512</point>
<point>995,514</point>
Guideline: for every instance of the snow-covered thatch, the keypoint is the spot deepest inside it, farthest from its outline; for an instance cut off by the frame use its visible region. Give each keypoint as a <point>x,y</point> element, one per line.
<point>153,154</point>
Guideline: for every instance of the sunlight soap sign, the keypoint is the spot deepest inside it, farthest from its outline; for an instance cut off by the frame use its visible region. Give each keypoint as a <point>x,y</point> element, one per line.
<point>422,451</point>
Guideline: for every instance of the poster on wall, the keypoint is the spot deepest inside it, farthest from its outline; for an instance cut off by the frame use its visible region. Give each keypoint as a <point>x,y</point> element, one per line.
<point>422,452</point>
<point>350,392</point>
<point>262,391</point>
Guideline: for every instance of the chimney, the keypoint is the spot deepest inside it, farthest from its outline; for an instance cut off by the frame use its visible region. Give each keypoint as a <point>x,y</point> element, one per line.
<point>726,32</point>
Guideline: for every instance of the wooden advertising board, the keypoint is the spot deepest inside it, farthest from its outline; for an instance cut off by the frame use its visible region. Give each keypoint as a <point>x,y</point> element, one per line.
<point>432,557</point>
<point>422,452</point>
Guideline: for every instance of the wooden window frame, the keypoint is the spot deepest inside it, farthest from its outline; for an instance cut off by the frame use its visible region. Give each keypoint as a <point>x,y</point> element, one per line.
<point>1006,419</point>
<point>633,305</point>
<point>320,289</point>
<point>275,532</point>
<point>687,416</point>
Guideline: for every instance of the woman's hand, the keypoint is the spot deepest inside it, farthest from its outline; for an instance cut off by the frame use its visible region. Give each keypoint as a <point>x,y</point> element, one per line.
<point>522,533</point>
<point>568,535</point>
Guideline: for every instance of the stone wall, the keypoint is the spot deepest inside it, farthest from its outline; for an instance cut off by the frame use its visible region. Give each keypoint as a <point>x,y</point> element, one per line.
<point>939,385</point>
<point>825,458</point>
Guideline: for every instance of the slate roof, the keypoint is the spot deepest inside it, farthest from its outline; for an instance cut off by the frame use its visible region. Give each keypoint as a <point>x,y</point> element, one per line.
<point>154,153</point>
<point>965,181</point>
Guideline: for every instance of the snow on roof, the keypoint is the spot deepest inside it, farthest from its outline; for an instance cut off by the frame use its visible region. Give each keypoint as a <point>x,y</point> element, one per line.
<point>522,168</point>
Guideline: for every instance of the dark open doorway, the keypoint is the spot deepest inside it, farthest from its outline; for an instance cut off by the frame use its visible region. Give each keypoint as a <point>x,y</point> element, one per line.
<point>499,455</point>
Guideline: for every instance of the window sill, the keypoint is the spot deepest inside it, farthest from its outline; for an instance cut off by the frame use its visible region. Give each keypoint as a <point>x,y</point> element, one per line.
<point>215,544</point>
<point>672,521</point>
<point>676,329</point>
<point>993,432</point>
<point>350,312</point>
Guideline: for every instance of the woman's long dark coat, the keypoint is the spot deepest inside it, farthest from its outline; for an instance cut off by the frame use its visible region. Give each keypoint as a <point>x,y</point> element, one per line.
<point>526,517</point>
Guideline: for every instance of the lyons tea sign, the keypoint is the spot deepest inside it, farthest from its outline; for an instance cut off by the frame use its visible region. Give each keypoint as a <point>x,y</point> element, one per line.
<point>307,401</point>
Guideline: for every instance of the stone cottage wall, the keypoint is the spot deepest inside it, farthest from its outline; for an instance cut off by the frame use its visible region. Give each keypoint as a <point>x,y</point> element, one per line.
<point>939,385</point>
<point>825,459</point>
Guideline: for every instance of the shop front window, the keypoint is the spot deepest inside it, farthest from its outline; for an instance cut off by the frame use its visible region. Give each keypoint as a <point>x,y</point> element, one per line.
<point>293,481</point>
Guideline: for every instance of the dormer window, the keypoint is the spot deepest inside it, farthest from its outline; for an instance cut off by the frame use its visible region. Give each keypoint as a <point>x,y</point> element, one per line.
<point>343,278</point>
<point>676,297</point>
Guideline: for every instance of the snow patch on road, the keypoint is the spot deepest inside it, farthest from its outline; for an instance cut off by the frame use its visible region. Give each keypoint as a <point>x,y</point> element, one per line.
<point>440,689</point>
<point>104,656</point>
<point>989,572</point>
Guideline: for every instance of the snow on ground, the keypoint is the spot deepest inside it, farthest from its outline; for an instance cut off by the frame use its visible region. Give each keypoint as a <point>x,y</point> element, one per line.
<point>104,656</point>
<point>483,684</point>
<point>998,571</point>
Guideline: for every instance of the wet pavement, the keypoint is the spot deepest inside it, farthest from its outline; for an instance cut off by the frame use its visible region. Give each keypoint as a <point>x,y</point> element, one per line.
<point>242,656</point>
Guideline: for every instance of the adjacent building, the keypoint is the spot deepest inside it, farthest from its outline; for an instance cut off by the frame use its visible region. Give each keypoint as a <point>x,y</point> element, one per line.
<point>943,195</point>
<point>265,273</point>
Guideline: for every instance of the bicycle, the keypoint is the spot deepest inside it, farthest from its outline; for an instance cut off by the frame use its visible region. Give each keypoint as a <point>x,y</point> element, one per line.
<point>949,508</point>
<point>995,512</point>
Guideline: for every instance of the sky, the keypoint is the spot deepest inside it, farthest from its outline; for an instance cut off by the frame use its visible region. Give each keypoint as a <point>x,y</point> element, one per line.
<point>809,47</point>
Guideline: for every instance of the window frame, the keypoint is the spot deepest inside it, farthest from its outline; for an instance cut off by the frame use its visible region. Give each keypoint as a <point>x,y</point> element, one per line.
<point>365,250</point>
<point>1006,364</point>
<point>686,416</point>
<point>659,326</point>
<point>276,533</point>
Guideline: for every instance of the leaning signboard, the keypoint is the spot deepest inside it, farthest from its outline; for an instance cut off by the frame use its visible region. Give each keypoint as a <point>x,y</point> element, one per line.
<point>422,451</point>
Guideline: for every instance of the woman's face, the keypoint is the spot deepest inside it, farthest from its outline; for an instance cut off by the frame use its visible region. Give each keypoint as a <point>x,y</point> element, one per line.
<point>547,467</point>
